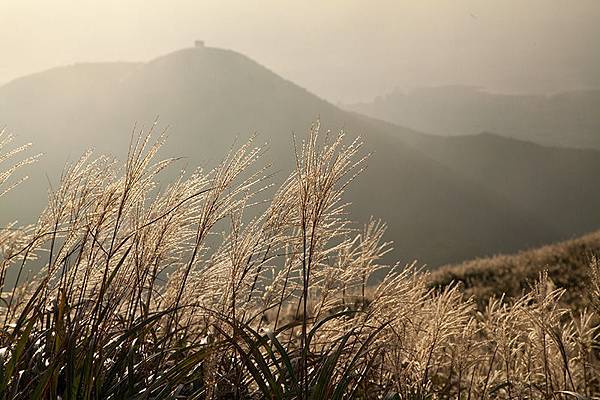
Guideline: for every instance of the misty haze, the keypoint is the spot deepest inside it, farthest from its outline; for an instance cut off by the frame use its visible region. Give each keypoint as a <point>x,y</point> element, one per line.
<point>299,200</point>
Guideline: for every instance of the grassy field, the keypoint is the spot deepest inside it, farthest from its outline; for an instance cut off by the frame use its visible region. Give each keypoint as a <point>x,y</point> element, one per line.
<point>201,289</point>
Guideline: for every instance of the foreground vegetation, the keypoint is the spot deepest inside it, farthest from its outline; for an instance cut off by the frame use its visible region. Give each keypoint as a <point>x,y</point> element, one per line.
<point>202,289</point>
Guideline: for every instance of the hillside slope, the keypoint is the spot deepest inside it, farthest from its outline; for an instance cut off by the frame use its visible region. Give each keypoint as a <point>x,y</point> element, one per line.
<point>548,183</point>
<point>569,119</point>
<point>209,97</point>
<point>566,262</point>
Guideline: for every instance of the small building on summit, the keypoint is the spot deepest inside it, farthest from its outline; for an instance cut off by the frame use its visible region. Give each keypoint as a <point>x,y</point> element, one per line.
<point>199,44</point>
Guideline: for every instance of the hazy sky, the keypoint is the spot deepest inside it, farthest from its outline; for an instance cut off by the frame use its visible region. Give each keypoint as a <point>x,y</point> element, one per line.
<point>344,50</point>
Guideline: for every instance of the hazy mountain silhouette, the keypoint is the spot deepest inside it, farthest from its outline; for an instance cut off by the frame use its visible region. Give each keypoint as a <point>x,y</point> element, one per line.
<point>548,183</point>
<point>569,119</point>
<point>441,206</point>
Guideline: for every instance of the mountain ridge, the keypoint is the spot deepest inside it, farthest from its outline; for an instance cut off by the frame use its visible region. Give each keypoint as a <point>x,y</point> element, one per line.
<point>436,212</point>
<point>566,119</point>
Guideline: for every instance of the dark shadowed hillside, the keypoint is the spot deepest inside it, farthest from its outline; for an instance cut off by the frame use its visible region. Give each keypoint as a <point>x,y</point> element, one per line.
<point>547,182</point>
<point>568,119</point>
<point>566,262</point>
<point>439,208</point>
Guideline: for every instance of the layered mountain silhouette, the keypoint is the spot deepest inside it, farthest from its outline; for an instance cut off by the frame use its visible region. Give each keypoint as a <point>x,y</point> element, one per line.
<point>444,199</point>
<point>569,119</point>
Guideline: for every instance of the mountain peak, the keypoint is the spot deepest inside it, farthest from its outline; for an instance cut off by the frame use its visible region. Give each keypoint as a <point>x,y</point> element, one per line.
<point>209,96</point>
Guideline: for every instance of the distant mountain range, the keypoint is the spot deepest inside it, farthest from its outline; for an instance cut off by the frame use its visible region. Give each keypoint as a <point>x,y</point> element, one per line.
<point>570,119</point>
<point>444,199</point>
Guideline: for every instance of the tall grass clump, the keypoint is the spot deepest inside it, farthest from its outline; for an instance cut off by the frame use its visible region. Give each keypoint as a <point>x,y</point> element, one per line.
<point>203,289</point>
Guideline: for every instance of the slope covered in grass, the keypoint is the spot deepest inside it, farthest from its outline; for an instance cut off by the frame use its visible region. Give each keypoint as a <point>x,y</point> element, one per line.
<point>567,264</point>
